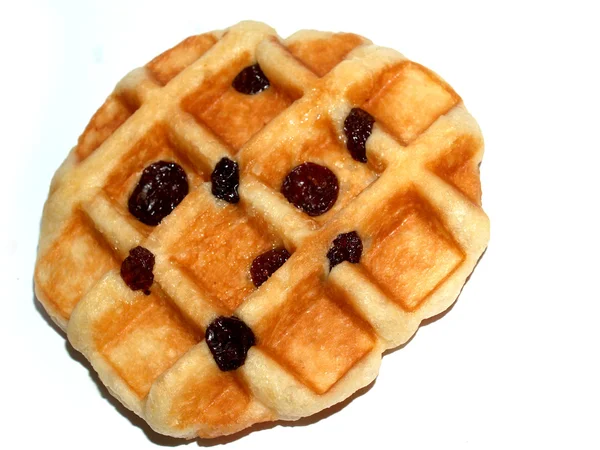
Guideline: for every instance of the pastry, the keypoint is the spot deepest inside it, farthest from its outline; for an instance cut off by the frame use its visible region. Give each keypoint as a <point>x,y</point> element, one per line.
<point>248,222</point>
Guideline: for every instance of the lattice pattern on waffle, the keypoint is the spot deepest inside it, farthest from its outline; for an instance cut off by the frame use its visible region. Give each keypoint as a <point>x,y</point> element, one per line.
<point>320,335</point>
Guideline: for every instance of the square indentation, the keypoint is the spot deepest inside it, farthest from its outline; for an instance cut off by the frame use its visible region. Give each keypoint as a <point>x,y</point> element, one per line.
<point>156,145</point>
<point>316,336</point>
<point>110,116</point>
<point>212,398</point>
<point>321,52</point>
<point>143,338</point>
<point>232,116</point>
<point>77,260</point>
<point>410,100</point>
<point>411,253</point>
<point>170,63</point>
<point>217,250</point>
<point>323,147</point>
<point>457,166</point>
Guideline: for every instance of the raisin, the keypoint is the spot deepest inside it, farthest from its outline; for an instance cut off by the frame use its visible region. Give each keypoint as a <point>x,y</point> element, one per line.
<point>226,180</point>
<point>251,80</point>
<point>162,186</point>
<point>136,269</point>
<point>345,247</point>
<point>358,127</point>
<point>266,264</point>
<point>229,340</point>
<point>311,188</point>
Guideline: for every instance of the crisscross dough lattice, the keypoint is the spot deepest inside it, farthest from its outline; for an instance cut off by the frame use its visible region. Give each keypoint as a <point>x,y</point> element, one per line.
<point>320,334</point>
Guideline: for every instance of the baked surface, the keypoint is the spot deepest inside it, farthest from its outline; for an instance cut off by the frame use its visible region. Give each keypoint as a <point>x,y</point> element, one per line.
<point>320,334</point>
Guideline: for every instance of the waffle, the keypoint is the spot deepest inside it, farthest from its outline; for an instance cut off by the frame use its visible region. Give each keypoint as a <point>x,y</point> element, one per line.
<point>320,333</point>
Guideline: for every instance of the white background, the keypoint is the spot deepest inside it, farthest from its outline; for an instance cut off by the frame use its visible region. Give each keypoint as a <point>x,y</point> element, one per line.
<point>513,365</point>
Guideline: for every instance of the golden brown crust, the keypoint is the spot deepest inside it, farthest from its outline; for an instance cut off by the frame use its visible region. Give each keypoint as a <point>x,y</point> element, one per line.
<point>320,334</point>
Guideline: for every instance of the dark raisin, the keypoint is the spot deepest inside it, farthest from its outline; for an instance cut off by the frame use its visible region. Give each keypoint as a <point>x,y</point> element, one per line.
<point>357,127</point>
<point>136,269</point>
<point>266,264</point>
<point>226,180</point>
<point>162,186</point>
<point>229,340</point>
<point>345,247</point>
<point>311,188</point>
<point>251,80</point>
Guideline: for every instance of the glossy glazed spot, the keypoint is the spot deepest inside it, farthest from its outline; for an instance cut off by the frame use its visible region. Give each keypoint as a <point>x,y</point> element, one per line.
<point>162,186</point>
<point>312,188</point>
<point>229,340</point>
<point>136,269</point>
<point>358,127</point>
<point>226,180</point>
<point>251,80</point>
<point>345,247</point>
<point>266,264</point>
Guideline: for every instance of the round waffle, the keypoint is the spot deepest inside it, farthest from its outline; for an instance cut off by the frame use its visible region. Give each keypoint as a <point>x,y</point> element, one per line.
<point>348,277</point>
